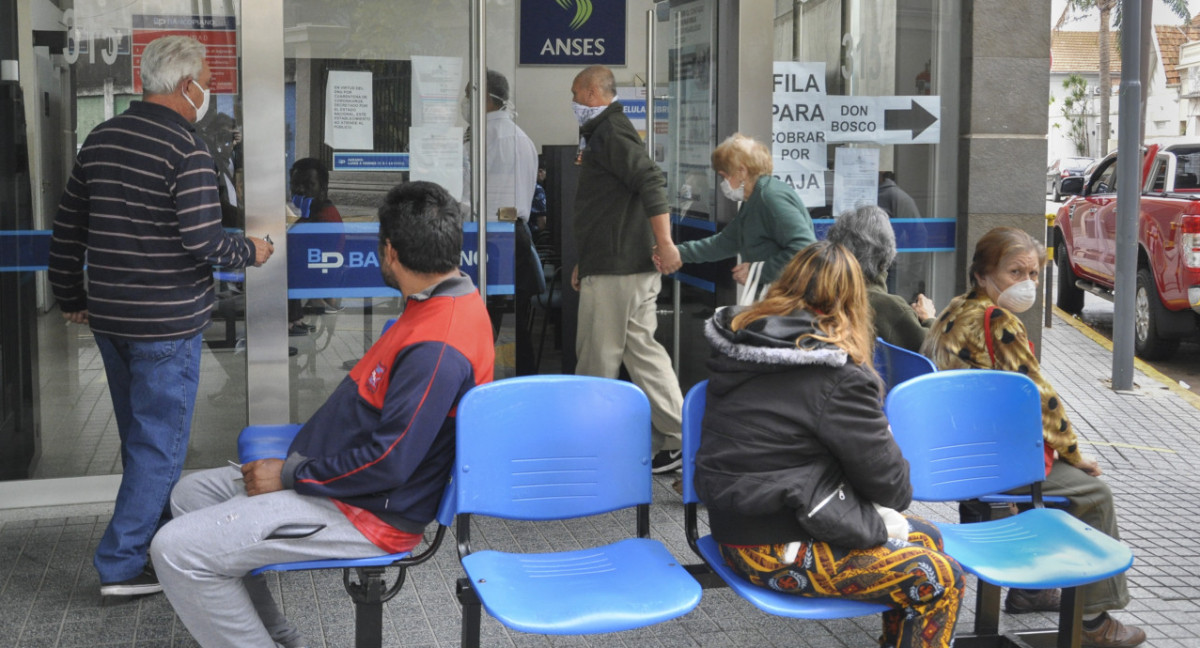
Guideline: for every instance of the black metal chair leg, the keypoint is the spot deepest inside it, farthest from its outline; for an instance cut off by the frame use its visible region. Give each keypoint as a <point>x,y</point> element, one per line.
<point>1070,618</point>
<point>368,594</point>
<point>368,625</point>
<point>471,612</point>
<point>987,609</point>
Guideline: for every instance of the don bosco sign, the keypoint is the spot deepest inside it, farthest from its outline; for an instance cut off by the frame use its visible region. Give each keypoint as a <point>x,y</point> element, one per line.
<point>572,32</point>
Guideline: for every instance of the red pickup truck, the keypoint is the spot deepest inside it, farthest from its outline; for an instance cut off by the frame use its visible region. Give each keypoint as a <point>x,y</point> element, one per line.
<point>1168,232</point>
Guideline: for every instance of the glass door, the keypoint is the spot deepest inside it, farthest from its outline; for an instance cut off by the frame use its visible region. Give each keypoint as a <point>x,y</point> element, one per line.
<point>685,129</point>
<point>79,65</point>
<point>318,109</point>
<point>376,93</point>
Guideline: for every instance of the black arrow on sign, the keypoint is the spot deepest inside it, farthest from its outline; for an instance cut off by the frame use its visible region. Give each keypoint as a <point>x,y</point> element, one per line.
<point>916,119</point>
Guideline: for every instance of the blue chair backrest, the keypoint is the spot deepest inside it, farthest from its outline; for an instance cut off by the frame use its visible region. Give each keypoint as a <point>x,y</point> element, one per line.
<point>693,417</point>
<point>896,364</point>
<point>448,508</point>
<point>552,447</point>
<point>968,432</point>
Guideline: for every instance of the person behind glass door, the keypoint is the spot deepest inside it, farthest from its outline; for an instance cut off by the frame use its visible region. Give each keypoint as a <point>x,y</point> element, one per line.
<point>794,417</point>
<point>772,224</point>
<point>142,209</point>
<point>621,219</point>
<point>979,330</point>
<point>511,180</point>
<point>538,209</point>
<point>899,205</point>
<point>309,180</point>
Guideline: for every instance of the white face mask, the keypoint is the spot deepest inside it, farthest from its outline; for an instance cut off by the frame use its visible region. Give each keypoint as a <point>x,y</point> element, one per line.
<point>203,107</point>
<point>736,195</point>
<point>584,114</point>
<point>1018,297</point>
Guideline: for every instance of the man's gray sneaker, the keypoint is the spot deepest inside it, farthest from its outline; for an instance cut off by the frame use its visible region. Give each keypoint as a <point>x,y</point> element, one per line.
<point>140,585</point>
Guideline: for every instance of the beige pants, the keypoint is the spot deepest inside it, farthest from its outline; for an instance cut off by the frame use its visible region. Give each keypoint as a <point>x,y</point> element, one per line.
<point>617,318</point>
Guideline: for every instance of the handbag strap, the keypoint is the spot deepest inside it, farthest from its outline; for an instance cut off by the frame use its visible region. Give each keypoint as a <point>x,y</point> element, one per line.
<point>987,334</point>
<point>748,292</point>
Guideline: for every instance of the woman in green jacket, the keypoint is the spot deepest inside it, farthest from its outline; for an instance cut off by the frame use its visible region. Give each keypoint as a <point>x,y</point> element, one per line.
<point>772,224</point>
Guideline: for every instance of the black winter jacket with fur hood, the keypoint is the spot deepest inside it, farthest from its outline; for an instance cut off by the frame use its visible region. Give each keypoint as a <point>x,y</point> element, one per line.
<point>795,444</point>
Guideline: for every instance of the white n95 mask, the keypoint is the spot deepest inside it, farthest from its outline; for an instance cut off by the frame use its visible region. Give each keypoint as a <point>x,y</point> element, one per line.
<point>1018,297</point>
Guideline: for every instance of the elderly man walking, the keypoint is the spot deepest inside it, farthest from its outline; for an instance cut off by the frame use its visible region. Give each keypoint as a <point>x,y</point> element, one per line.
<point>621,220</point>
<point>141,209</point>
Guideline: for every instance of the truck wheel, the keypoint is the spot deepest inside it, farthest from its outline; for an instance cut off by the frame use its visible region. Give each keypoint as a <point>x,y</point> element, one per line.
<point>1070,296</point>
<point>1146,316</point>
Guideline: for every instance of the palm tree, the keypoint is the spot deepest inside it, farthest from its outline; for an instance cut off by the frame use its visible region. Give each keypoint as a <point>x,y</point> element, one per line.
<point>1106,8</point>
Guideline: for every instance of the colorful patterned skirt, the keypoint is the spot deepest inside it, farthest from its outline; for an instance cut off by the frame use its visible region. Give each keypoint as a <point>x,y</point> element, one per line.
<point>924,586</point>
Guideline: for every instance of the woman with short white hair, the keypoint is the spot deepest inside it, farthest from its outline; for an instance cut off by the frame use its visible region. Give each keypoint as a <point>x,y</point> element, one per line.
<point>867,233</point>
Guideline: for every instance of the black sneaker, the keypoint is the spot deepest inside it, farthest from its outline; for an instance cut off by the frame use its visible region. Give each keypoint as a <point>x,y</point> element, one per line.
<point>140,585</point>
<point>666,461</point>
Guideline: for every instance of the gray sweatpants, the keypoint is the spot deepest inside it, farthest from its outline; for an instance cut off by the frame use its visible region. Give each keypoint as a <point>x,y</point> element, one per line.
<point>219,535</point>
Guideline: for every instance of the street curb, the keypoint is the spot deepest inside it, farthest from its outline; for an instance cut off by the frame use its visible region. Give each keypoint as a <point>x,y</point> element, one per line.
<point>1138,363</point>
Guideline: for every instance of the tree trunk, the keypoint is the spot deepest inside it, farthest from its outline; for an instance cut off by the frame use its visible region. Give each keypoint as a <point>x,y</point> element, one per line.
<point>1105,73</point>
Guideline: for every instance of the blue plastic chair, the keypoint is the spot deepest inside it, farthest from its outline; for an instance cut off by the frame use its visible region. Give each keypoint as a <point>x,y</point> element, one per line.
<point>552,448</point>
<point>897,364</point>
<point>969,433</point>
<point>769,601</point>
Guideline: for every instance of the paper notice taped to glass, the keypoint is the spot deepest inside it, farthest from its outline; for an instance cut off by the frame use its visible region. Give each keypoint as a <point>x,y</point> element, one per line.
<point>435,154</point>
<point>349,111</point>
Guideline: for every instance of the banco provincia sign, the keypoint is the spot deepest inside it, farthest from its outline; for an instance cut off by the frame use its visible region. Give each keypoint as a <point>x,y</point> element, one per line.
<point>341,259</point>
<point>572,32</point>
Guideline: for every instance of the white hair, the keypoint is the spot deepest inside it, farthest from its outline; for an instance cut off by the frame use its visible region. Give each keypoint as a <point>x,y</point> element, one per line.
<point>169,60</point>
<point>867,233</point>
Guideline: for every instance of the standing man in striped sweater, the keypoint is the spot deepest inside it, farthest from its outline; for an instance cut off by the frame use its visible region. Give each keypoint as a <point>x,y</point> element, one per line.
<point>141,209</point>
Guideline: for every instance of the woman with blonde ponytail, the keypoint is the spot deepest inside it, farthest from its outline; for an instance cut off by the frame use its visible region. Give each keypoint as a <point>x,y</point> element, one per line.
<point>834,291</point>
<point>797,466</point>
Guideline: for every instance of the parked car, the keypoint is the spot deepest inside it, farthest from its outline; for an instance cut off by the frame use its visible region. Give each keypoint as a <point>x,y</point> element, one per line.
<point>1065,176</point>
<point>1167,297</point>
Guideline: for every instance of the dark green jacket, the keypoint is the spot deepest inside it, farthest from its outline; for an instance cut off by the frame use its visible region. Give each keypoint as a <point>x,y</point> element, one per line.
<point>895,320</point>
<point>620,189</point>
<point>772,226</point>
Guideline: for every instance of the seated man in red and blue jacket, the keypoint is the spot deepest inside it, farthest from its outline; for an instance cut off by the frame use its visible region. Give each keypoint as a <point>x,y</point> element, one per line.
<point>366,473</point>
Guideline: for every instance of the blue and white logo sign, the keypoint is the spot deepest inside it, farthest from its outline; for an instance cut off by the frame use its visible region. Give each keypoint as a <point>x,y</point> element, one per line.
<point>572,32</point>
<point>341,259</point>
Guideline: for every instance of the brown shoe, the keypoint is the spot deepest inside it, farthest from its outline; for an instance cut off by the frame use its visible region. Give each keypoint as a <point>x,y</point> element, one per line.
<point>1022,601</point>
<point>677,485</point>
<point>1112,634</point>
